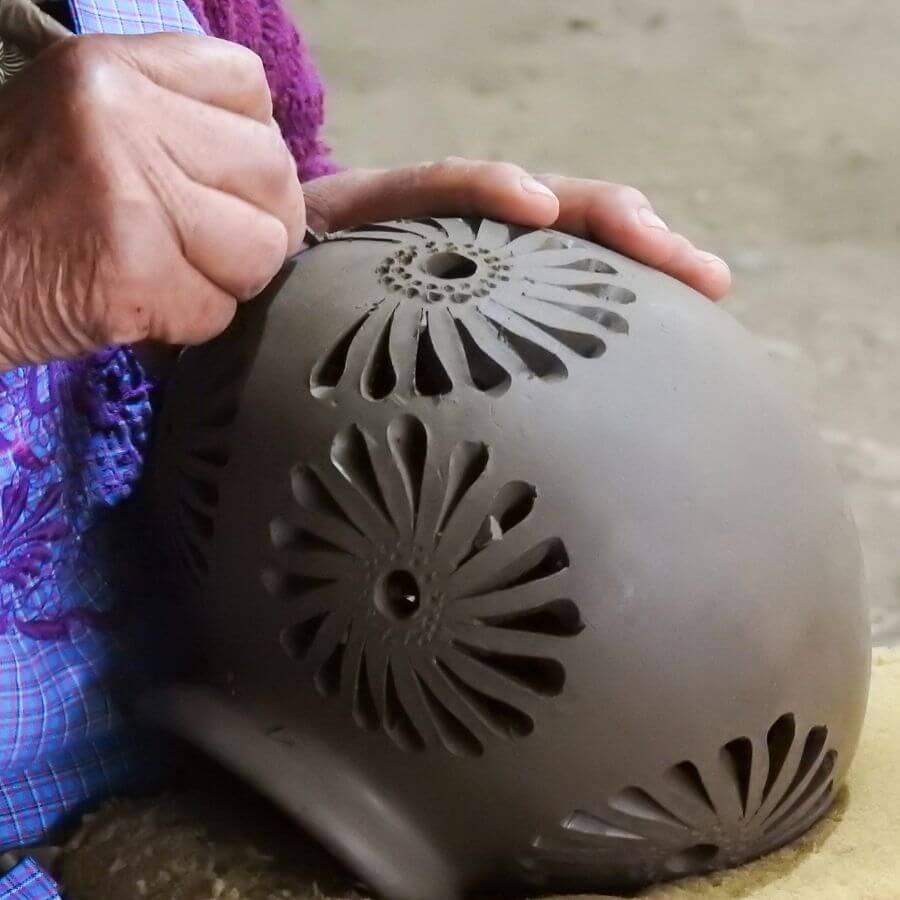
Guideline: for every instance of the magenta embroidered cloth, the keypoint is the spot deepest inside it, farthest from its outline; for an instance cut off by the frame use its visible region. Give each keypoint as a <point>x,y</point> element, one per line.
<point>72,440</point>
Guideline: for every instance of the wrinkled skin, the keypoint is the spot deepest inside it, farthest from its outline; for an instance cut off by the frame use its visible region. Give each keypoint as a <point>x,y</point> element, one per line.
<point>145,191</point>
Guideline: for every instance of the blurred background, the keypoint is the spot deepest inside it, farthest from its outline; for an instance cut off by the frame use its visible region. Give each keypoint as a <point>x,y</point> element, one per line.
<point>765,130</point>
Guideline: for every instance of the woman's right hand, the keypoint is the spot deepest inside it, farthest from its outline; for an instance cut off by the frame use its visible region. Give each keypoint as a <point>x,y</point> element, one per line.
<point>144,191</point>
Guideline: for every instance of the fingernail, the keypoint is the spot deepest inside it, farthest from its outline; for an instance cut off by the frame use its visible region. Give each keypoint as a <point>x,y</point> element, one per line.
<point>649,218</point>
<point>533,186</point>
<point>708,257</point>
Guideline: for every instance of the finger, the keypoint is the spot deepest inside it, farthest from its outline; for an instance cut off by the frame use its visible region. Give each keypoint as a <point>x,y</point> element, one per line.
<point>250,161</point>
<point>453,187</point>
<point>192,310</point>
<point>234,244</point>
<point>622,218</point>
<point>207,69</point>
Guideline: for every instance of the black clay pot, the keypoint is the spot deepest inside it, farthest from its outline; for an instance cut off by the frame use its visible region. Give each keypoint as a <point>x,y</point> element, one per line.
<point>510,567</point>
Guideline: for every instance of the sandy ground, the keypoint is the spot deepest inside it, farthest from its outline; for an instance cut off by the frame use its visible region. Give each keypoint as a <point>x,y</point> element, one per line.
<point>765,130</point>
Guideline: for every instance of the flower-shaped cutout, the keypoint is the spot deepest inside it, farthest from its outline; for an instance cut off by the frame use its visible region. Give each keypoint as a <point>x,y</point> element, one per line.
<point>418,592</point>
<point>195,444</point>
<point>457,302</point>
<point>753,797</point>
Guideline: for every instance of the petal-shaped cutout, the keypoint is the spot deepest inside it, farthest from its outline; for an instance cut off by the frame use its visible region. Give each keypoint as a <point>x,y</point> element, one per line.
<point>589,825</point>
<point>556,618</point>
<point>647,815</point>
<point>429,229</point>
<point>580,258</point>
<point>498,606</point>
<point>447,346</point>
<point>559,318</point>
<point>379,378</point>
<point>539,352</point>
<point>737,757</point>
<point>377,662</point>
<point>315,496</point>
<point>682,789</point>
<point>431,378</point>
<point>563,277</point>
<point>315,566</point>
<point>799,768</point>
<point>492,235</point>
<point>297,638</point>
<point>351,662</point>
<point>500,718</point>
<point>484,372</point>
<point>327,640</point>
<point>493,681</point>
<point>779,740</point>
<point>407,718</point>
<point>532,241</point>
<point>819,784</point>
<point>458,230</point>
<point>315,632</point>
<point>489,338</point>
<point>482,575</point>
<point>454,721</point>
<point>330,367</point>
<point>600,294</point>
<point>468,462</point>
<point>351,455</point>
<point>534,654</point>
<point>408,441</point>
<point>292,586</point>
<point>333,530</point>
<point>365,518</point>
<point>292,538</point>
<point>365,710</point>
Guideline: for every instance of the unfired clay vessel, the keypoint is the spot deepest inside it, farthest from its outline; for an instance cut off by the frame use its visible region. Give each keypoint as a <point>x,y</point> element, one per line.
<point>510,567</point>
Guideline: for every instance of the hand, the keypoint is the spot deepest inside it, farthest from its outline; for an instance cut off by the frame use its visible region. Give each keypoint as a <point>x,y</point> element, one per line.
<point>617,216</point>
<point>144,191</point>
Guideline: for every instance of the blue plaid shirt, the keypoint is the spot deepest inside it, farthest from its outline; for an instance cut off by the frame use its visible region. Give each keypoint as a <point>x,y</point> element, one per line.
<point>71,436</point>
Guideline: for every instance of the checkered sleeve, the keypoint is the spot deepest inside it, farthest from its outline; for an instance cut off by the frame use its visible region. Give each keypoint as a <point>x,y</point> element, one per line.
<point>133,17</point>
<point>28,881</point>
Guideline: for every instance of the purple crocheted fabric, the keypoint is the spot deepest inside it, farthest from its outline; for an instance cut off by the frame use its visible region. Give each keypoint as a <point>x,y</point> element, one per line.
<point>297,93</point>
<point>72,440</point>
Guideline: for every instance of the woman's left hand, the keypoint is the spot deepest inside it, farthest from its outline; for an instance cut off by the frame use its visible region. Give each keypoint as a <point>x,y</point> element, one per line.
<point>615,215</point>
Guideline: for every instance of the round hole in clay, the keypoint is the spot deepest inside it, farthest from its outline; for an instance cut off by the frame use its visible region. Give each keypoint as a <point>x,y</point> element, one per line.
<point>450,265</point>
<point>397,595</point>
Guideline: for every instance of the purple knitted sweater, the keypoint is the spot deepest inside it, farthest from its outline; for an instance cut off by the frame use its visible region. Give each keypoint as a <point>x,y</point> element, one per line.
<point>264,27</point>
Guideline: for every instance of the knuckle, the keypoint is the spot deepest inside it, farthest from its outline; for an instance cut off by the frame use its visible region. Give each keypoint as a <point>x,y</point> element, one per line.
<point>267,254</point>
<point>283,166</point>
<point>631,196</point>
<point>444,168</point>
<point>251,64</point>
<point>86,68</point>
